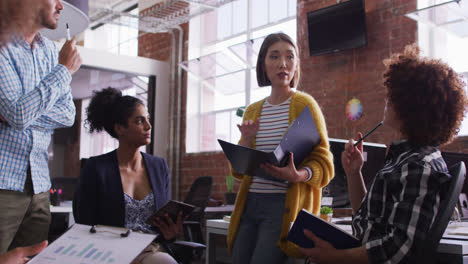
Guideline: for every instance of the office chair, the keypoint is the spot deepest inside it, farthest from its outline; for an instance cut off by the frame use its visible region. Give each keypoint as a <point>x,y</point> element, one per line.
<point>193,246</point>
<point>447,205</point>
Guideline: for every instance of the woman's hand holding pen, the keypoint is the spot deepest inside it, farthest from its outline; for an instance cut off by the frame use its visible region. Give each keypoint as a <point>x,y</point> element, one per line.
<point>168,228</point>
<point>352,158</point>
<point>248,129</point>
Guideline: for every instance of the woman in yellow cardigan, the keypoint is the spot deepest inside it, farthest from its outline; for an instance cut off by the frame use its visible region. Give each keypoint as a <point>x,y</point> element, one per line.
<point>265,208</point>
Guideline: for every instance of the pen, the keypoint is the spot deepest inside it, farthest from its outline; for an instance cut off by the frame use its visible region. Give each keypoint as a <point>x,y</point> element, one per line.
<point>68,32</point>
<point>368,133</point>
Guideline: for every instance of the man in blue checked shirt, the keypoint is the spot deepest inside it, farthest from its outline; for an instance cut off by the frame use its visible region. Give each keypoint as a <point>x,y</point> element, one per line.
<point>35,99</point>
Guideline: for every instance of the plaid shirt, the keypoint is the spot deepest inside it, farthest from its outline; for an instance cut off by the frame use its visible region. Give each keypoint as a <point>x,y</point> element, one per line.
<point>35,98</point>
<point>401,204</point>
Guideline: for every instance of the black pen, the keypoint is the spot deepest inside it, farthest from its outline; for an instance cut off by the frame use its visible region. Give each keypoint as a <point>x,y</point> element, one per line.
<point>368,133</point>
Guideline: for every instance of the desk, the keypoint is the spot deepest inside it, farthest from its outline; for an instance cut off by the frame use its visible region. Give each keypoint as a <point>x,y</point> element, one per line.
<point>217,212</point>
<point>452,250</point>
<point>65,207</point>
<point>216,226</point>
<point>228,208</point>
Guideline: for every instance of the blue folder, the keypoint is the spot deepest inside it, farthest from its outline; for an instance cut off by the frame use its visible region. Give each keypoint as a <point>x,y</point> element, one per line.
<point>305,220</point>
<point>301,138</point>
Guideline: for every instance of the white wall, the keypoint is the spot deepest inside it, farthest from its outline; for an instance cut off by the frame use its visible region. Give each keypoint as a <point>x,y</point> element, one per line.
<point>140,66</point>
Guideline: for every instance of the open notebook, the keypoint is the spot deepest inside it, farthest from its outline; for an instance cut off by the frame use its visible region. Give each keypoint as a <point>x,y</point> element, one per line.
<point>301,138</point>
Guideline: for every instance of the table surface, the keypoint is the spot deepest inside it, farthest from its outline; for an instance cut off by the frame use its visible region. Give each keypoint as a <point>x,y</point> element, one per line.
<point>64,207</point>
<point>453,244</point>
<point>216,209</point>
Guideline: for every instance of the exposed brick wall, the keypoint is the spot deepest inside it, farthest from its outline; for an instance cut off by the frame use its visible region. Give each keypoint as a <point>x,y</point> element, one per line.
<point>331,79</point>
<point>334,79</point>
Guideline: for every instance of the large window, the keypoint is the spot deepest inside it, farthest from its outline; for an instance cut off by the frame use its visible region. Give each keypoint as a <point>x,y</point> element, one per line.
<point>222,54</point>
<point>119,36</point>
<point>441,36</point>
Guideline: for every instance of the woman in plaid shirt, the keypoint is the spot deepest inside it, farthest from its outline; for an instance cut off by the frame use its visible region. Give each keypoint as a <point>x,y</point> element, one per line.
<point>425,105</point>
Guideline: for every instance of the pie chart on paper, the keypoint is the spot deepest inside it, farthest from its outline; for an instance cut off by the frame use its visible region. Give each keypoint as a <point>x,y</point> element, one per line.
<point>354,109</point>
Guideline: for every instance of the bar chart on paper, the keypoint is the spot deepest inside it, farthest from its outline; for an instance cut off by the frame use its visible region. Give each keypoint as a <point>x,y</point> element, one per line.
<point>80,246</point>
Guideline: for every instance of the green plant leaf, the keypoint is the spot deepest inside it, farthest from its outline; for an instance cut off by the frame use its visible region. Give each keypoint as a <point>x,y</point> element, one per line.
<point>326,210</point>
<point>230,183</point>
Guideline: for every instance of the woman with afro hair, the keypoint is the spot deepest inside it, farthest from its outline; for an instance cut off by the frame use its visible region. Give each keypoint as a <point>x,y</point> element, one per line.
<point>425,105</point>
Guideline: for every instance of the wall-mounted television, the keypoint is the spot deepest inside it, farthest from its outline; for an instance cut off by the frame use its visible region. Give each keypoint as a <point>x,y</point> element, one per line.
<point>337,27</point>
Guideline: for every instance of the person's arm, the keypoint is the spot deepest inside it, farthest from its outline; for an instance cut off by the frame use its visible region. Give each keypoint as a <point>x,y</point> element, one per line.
<point>87,194</point>
<point>61,115</point>
<point>21,110</point>
<point>20,255</point>
<point>325,253</point>
<point>248,128</point>
<point>415,191</point>
<point>352,161</point>
<point>319,161</point>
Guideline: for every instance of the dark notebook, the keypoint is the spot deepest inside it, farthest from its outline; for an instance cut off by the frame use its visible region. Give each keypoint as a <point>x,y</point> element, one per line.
<point>334,235</point>
<point>172,209</point>
<point>301,138</point>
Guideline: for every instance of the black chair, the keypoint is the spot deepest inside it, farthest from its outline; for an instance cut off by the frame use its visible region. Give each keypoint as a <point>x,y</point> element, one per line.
<point>447,206</point>
<point>193,245</point>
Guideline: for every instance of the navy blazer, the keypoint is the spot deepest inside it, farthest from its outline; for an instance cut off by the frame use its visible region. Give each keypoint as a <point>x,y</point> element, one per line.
<point>100,197</point>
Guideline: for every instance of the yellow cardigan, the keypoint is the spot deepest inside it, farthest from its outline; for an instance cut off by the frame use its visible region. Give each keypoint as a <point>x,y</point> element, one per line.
<point>299,195</point>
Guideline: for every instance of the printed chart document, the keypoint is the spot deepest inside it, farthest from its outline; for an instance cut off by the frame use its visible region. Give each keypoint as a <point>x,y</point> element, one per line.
<point>300,139</point>
<point>79,246</point>
<point>340,239</point>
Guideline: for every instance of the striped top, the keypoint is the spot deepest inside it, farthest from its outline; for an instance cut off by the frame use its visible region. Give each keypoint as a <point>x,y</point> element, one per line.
<point>400,207</point>
<point>35,99</point>
<point>274,122</point>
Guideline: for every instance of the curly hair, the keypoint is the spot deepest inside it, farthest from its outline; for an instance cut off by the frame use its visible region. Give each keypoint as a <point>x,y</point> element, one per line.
<point>427,96</point>
<point>107,108</point>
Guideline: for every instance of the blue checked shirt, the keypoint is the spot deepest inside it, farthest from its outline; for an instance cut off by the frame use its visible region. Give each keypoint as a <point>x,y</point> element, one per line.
<point>35,99</point>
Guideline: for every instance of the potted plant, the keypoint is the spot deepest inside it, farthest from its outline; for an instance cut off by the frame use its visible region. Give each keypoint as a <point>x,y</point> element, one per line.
<point>230,196</point>
<point>326,213</point>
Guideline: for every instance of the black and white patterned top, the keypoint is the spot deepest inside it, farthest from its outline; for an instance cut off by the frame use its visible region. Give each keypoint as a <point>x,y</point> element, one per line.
<point>401,204</point>
<point>137,211</point>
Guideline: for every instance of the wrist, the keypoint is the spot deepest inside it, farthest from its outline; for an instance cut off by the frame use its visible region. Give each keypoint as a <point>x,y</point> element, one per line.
<point>308,174</point>
<point>246,142</point>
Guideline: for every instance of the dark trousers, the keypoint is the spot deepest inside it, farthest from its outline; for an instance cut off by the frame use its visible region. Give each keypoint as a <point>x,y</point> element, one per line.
<point>24,217</point>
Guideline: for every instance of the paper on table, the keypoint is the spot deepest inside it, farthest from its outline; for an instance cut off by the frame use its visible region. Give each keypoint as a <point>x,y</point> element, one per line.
<point>79,246</point>
<point>460,231</point>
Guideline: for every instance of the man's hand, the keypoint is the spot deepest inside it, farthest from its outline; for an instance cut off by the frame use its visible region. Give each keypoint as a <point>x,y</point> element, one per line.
<point>69,56</point>
<point>20,255</point>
